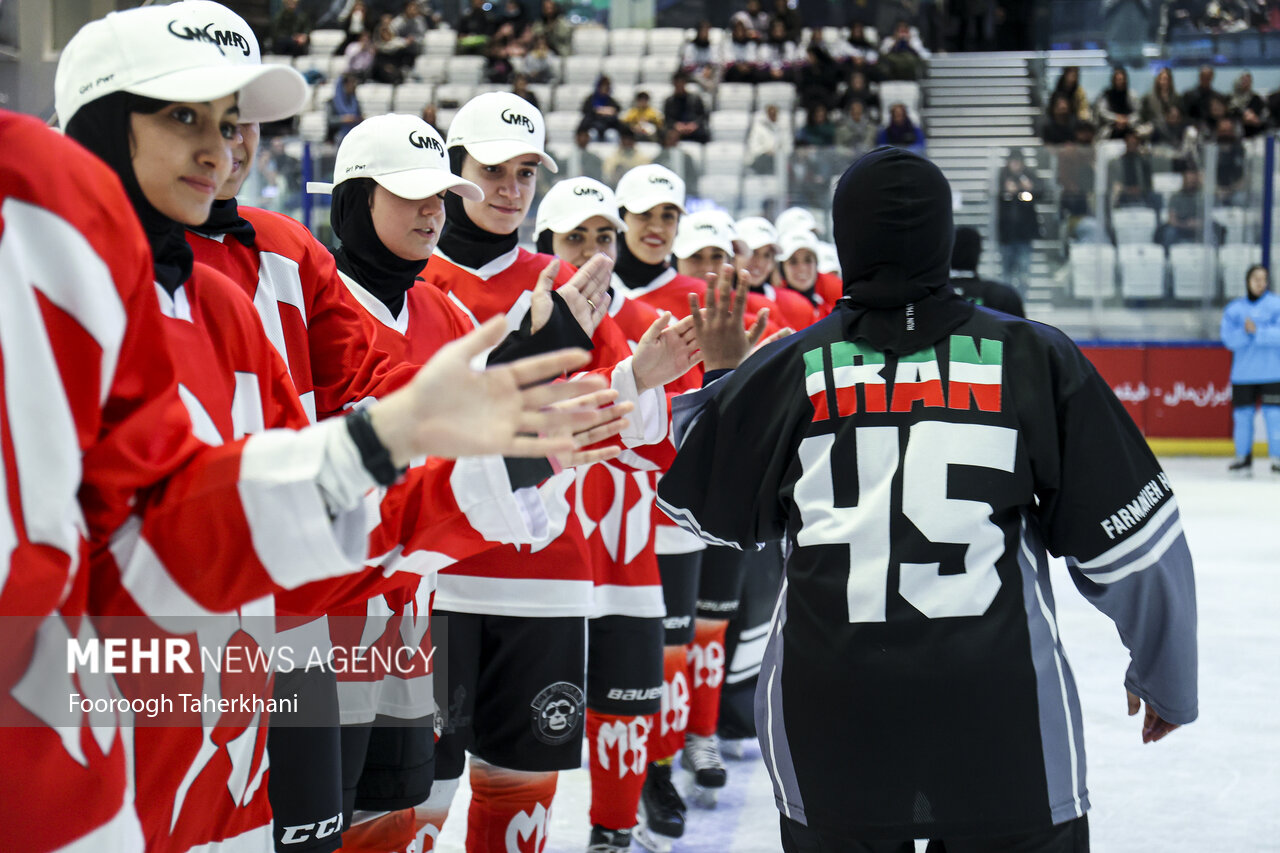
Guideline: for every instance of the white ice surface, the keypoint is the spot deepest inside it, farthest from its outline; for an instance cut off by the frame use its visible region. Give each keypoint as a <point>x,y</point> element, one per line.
<point>1211,786</point>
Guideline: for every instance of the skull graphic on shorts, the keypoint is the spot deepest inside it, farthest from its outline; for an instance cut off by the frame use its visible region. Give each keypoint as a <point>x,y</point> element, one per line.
<point>557,712</point>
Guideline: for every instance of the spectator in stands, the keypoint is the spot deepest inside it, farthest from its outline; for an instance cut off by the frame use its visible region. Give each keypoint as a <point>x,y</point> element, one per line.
<point>790,19</point>
<point>862,42</point>
<point>475,28</point>
<point>1068,85</point>
<point>1060,125</point>
<point>643,119</point>
<point>1117,111</point>
<point>817,78</point>
<point>860,90</point>
<point>779,53</point>
<point>360,56</point>
<point>515,19</point>
<point>1017,223</point>
<point>699,57</point>
<point>555,27</point>
<point>599,110</point>
<point>754,20</point>
<point>411,25</point>
<point>740,55</point>
<point>903,55</point>
<point>975,24</point>
<point>344,110</point>
<point>355,20</point>
<point>520,86</point>
<point>1176,137</point>
<point>1231,164</point>
<point>582,161</point>
<point>685,111</point>
<point>1273,108</point>
<point>764,141</point>
<point>388,60</point>
<point>624,158</point>
<point>291,30</point>
<point>675,159</point>
<point>900,131</point>
<point>1186,212</point>
<point>856,131</point>
<point>1076,170</point>
<point>499,65</point>
<point>818,129</point>
<point>966,253</point>
<point>540,62</point>
<point>1197,102</point>
<point>1131,176</point>
<point>1156,102</point>
<point>1246,106</point>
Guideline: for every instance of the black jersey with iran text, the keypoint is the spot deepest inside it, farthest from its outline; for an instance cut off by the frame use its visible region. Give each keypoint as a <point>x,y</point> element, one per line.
<point>914,684</point>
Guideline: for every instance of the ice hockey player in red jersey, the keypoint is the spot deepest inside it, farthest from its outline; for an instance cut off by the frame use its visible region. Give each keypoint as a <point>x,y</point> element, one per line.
<point>798,269</point>
<point>799,219</point>
<point>514,620</point>
<point>758,239</point>
<point>295,510</point>
<point>922,457</point>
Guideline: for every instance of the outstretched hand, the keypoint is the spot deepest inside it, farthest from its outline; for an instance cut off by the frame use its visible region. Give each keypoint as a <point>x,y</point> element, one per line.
<point>586,293</point>
<point>665,353</point>
<point>719,327</point>
<point>1153,726</point>
<point>610,419</point>
<point>450,409</point>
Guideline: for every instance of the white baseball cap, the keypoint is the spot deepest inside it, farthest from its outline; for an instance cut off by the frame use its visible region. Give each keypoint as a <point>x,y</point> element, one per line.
<point>828,258</point>
<point>757,232</point>
<point>402,153</point>
<point>496,126</point>
<point>794,241</point>
<point>180,52</point>
<point>795,219</point>
<point>572,202</point>
<point>706,228</point>
<point>645,187</point>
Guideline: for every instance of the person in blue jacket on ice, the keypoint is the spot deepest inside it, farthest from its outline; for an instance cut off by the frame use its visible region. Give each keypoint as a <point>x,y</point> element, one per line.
<point>1251,330</point>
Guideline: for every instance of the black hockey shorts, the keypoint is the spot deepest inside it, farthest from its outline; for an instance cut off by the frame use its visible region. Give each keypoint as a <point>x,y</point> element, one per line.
<point>680,575</point>
<point>624,665</point>
<point>509,689</point>
<point>1248,396</point>
<point>305,782</point>
<point>720,588</point>
<point>1069,837</point>
<point>387,765</point>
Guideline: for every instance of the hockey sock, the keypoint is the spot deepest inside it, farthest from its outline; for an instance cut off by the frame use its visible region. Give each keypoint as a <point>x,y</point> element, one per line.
<point>428,818</point>
<point>618,758</point>
<point>510,809</point>
<point>674,716</point>
<point>1271,416</point>
<point>706,672</point>
<point>388,832</point>
<point>1242,433</point>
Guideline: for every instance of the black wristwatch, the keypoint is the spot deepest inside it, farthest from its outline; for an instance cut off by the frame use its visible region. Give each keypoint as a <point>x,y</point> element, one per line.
<point>373,453</point>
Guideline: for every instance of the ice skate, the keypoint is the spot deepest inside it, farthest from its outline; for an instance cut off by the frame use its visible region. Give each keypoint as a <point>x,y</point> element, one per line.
<point>1243,465</point>
<point>609,840</point>
<point>734,749</point>
<point>661,811</point>
<point>701,757</point>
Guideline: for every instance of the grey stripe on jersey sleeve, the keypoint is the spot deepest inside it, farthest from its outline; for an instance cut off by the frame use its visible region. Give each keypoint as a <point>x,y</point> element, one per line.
<point>1061,725</point>
<point>1154,609</point>
<point>771,724</point>
<point>1138,551</point>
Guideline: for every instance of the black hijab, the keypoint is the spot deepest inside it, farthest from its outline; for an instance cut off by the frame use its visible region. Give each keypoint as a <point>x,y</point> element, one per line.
<point>463,240</point>
<point>225,218</point>
<point>362,254</point>
<point>893,231</point>
<point>634,272</point>
<point>102,126</point>
<point>1118,99</point>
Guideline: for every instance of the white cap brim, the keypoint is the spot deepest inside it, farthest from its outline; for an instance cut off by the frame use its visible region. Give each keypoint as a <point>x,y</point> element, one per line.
<point>422,183</point>
<point>267,92</point>
<point>571,220</point>
<point>688,248</point>
<point>502,150</point>
<point>650,201</point>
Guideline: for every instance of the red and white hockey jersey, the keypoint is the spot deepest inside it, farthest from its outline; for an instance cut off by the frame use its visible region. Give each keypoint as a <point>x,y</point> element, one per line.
<point>553,577</point>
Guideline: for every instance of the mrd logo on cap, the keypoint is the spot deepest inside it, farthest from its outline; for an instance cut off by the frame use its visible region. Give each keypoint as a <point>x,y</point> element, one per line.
<point>701,230</point>
<point>572,202</point>
<point>403,154</point>
<point>208,34</point>
<point>498,126</point>
<point>645,187</point>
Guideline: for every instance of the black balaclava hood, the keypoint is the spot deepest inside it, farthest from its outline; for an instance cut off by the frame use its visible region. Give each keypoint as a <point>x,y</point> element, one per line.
<point>463,240</point>
<point>102,126</point>
<point>362,254</point>
<point>893,231</point>
<point>225,218</point>
<point>967,250</point>
<point>632,271</point>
